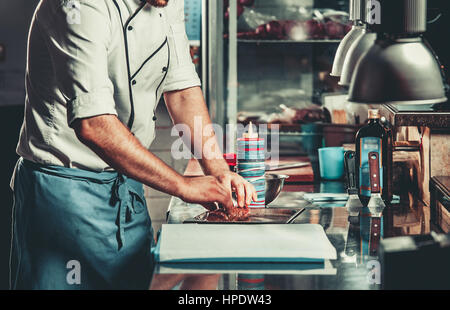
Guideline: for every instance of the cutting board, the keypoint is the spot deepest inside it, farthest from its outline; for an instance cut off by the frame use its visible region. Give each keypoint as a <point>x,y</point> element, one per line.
<point>256,216</point>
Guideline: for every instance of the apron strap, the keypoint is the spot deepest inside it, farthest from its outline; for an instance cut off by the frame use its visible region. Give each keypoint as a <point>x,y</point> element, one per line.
<point>121,193</point>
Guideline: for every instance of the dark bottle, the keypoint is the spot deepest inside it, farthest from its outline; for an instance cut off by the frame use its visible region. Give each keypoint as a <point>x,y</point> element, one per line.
<point>373,137</point>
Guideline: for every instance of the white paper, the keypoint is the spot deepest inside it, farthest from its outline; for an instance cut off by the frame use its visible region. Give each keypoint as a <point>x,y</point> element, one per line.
<point>291,269</point>
<point>312,197</point>
<point>244,243</point>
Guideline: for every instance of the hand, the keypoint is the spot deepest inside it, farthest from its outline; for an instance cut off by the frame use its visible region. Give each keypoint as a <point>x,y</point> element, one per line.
<point>233,182</point>
<point>206,191</point>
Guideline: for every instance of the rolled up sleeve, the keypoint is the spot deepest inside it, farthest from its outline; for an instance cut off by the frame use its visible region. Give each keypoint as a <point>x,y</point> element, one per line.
<point>182,73</point>
<point>78,34</point>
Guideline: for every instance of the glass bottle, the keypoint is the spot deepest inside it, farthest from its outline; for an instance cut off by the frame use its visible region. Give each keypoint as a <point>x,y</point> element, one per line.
<point>373,137</point>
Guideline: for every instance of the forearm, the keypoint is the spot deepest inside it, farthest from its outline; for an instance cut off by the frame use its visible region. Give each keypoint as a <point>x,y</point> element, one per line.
<point>188,107</point>
<point>115,144</point>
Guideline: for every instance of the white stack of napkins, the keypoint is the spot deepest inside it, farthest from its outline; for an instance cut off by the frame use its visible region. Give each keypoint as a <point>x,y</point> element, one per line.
<point>259,243</point>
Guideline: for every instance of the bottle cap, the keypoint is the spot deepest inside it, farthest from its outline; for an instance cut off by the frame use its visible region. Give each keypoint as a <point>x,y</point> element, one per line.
<point>374,113</point>
<point>230,159</point>
<point>250,134</point>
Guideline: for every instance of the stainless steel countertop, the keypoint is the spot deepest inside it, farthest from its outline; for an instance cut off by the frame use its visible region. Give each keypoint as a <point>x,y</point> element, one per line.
<point>350,271</point>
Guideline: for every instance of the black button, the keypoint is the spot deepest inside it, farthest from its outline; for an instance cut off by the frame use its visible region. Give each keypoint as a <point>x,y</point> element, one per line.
<point>130,28</point>
<point>164,69</point>
<point>154,118</point>
<point>160,15</point>
<point>133,82</point>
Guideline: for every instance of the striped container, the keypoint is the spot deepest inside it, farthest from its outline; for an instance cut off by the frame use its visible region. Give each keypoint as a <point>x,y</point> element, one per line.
<point>251,166</point>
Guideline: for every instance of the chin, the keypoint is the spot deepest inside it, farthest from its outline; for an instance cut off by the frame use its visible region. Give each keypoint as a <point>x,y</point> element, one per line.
<point>158,3</point>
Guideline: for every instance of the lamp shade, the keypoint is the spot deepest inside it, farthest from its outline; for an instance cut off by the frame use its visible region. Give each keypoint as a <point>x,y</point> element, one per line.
<point>358,9</point>
<point>402,16</point>
<point>342,51</point>
<point>397,71</point>
<point>361,45</point>
<point>357,15</point>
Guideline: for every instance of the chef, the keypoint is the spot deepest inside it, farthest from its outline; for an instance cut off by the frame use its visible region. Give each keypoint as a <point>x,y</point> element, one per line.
<point>96,70</point>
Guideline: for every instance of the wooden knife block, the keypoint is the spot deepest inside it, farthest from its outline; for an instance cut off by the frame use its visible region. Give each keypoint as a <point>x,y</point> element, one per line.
<point>406,173</point>
<point>411,169</point>
<point>432,158</point>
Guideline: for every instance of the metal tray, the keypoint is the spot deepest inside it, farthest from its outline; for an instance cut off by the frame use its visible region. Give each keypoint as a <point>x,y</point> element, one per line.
<point>256,216</point>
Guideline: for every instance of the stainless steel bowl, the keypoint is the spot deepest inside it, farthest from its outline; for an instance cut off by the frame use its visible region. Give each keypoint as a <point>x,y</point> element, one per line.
<point>274,185</point>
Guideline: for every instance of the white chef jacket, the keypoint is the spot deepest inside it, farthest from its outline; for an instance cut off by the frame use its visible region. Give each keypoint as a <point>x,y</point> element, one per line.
<point>97,57</point>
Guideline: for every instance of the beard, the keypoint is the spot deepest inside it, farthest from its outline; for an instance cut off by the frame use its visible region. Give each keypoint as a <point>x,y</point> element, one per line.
<point>158,3</point>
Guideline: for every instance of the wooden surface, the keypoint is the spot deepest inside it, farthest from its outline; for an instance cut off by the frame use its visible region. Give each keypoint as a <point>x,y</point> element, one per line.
<point>426,115</point>
<point>442,217</point>
<point>422,168</point>
<point>296,175</point>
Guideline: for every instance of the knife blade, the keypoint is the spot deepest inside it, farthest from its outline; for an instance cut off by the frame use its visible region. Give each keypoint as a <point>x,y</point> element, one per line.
<point>286,166</point>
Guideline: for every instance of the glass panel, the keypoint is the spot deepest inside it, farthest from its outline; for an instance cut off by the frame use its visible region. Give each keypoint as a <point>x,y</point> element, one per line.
<point>285,52</point>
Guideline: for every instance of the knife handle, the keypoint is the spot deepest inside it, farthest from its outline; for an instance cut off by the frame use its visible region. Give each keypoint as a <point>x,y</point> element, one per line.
<point>374,170</point>
<point>353,236</point>
<point>375,232</point>
<point>350,168</point>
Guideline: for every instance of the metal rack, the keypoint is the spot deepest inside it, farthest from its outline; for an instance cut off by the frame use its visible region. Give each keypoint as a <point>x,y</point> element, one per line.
<point>220,60</point>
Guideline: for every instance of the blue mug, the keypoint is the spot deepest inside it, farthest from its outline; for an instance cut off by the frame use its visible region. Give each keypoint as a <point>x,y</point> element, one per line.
<point>331,163</point>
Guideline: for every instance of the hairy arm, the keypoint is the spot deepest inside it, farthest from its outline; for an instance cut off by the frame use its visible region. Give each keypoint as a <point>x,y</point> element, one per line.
<point>188,107</point>
<point>117,146</point>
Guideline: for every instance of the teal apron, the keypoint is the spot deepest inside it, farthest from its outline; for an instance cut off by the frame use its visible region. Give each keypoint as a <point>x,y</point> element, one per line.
<point>78,229</point>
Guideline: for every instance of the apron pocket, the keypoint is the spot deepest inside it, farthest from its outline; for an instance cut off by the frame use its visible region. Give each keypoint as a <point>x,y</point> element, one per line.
<point>138,203</point>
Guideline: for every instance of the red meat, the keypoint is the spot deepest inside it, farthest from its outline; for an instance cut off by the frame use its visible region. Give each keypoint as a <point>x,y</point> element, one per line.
<point>274,30</point>
<point>221,215</point>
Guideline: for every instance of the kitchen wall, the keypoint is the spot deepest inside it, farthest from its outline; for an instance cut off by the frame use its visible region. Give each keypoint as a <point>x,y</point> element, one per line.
<point>15,18</point>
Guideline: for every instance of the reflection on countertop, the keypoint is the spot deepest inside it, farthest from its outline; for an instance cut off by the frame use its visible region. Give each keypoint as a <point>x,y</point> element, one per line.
<point>355,268</point>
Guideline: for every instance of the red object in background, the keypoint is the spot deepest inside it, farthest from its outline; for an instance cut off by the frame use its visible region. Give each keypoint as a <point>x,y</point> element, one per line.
<point>274,30</point>
<point>261,32</point>
<point>298,30</point>
<point>334,30</point>
<point>231,159</point>
<point>226,7</point>
<point>246,2</point>
<point>287,29</point>
<point>311,29</point>
<point>288,25</point>
<point>314,29</point>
